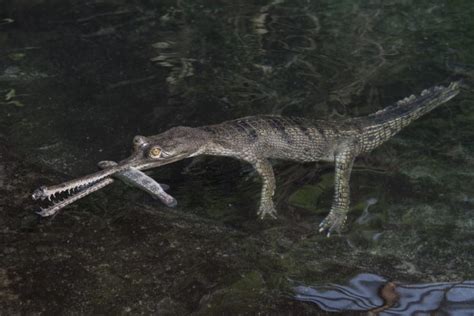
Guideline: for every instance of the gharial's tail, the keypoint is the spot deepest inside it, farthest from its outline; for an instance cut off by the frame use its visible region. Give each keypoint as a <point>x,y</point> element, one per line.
<point>385,123</point>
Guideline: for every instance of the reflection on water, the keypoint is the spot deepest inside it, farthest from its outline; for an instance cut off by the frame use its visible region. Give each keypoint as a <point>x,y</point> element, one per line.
<point>373,293</point>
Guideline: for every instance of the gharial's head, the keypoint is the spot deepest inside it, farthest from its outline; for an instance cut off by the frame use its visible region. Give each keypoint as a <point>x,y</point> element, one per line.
<point>175,144</point>
<point>170,146</point>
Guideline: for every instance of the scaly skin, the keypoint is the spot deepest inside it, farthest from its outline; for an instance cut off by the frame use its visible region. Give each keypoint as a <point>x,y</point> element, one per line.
<point>256,139</point>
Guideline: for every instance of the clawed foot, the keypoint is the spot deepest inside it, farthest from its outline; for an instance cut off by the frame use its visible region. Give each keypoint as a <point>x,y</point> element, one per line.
<point>334,222</point>
<point>267,210</point>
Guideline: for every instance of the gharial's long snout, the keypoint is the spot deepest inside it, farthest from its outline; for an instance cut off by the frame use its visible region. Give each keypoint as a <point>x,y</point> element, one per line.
<point>76,184</point>
<point>66,193</point>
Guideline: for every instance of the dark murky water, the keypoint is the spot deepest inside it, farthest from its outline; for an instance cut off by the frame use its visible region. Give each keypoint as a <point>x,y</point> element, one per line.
<point>78,79</point>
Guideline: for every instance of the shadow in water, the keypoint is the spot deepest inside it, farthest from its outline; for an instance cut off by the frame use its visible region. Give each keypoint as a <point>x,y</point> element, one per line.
<point>374,294</point>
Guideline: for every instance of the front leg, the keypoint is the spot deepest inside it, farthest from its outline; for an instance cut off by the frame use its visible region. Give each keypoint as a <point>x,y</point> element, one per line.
<point>265,170</point>
<point>336,218</point>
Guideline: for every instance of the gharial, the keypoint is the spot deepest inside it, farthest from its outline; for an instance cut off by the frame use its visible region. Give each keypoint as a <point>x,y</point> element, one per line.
<point>256,139</point>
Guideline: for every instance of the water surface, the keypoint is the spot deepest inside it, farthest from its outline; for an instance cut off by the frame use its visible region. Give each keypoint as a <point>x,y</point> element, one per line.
<point>79,79</point>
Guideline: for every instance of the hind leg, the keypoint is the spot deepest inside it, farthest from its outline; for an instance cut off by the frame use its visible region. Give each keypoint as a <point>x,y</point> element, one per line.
<point>336,218</point>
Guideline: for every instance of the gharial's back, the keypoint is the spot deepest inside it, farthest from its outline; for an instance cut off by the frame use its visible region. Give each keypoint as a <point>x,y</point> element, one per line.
<point>280,137</point>
<point>302,139</point>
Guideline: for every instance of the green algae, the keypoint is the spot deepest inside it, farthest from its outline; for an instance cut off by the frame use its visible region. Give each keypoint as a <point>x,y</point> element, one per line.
<point>16,56</point>
<point>242,296</point>
<point>308,197</point>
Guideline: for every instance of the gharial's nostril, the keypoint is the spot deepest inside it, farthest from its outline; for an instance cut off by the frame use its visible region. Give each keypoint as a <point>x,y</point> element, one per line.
<point>138,140</point>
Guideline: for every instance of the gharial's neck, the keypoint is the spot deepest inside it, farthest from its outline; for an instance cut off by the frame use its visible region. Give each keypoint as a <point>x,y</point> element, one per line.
<point>216,142</point>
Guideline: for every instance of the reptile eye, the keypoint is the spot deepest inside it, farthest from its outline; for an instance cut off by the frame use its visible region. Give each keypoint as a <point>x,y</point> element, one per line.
<point>155,152</point>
